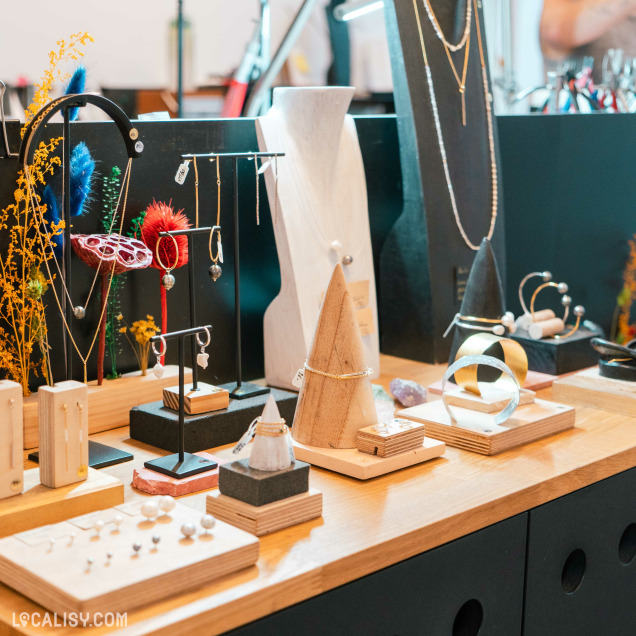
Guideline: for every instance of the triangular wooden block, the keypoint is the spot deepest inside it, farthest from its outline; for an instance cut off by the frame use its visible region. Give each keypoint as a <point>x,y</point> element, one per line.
<point>330,411</point>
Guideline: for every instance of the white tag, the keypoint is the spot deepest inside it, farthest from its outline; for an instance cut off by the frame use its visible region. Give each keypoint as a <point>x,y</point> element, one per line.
<point>247,437</point>
<point>298,378</point>
<point>219,246</point>
<point>264,167</point>
<point>182,172</point>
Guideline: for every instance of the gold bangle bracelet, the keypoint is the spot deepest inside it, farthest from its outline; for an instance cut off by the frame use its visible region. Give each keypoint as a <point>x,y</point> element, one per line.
<point>514,357</point>
<point>579,312</point>
<point>340,376</point>
<point>562,288</point>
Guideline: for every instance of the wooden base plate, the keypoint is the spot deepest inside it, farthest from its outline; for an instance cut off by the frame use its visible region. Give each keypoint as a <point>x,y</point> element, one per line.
<point>478,432</point>
<point>206,398</point>
<point>589,388</point>
<point>59,577</point>
<point>260,520</point>
<point>350,461</point>
<point>492,399</point>
<point>39,505</point>
<point>109,404</point>
<point>533,382</point>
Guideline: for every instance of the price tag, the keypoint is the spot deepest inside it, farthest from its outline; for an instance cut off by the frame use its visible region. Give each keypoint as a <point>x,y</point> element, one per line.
<point>182,172</point>
<point>298,378</point>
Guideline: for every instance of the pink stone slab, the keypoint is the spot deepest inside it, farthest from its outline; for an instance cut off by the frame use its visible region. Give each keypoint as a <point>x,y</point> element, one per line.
<point>534,382</point>
<point>157,484</point>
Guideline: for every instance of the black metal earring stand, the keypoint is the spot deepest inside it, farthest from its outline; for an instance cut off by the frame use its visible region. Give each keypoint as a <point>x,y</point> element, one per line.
<point>99,455</point>
<point>181,464</point>
<point>242,389</point>
<point>190,233</point>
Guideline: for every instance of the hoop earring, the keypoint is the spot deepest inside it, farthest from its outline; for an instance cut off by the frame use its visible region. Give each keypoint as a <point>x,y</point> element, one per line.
<point>158,368</point>
<point>168,279</point>
<point>215,270</point>
<point>202,357</point>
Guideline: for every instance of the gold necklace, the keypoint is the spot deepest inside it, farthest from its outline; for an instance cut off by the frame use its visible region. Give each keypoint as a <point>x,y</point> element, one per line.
<point>461,83</point>
<point>440,137</point>
<point>35,204</point>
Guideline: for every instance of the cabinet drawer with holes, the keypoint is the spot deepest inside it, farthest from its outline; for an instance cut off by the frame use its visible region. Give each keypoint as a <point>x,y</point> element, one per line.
<point>581,568</point>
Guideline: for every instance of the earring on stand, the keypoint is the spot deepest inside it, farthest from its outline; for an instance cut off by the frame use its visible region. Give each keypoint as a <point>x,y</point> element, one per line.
<point>168,279</point>
<point>202,357</point>
<point>158,368</point>
<point>196,192</point>
<point>215,270</point>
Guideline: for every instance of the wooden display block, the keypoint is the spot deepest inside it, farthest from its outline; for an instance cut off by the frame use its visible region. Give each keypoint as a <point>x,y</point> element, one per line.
<point>260,520</point>
<point>206,398</point>
<point>59,576</point>
<point>479,433</point>
<point>110,403</point>
<point>39,505</point>
<point>533,382</point>
<point>11,463</point>
<point>350,461</point>
<point>589,388</point>
<point>63,415</point>
<point>492,399</point>
<point>390,438</point>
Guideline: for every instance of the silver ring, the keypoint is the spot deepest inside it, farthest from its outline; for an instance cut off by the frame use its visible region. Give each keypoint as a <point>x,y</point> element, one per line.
<point>207,342</point>
<point>490,361</point>
<point>164,346</point>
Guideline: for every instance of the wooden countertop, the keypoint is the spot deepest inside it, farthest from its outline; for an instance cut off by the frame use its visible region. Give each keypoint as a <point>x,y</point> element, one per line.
<point>367,526</point>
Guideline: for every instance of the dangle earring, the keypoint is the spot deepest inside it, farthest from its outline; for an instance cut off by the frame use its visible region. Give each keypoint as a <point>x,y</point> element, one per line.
<point>158,368</point>
<point>215,270</point>
<point>202,357</point>
<point>168,279</point>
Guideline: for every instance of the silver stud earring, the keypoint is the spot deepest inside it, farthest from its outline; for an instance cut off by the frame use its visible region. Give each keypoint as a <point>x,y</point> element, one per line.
<point>89,562</point>
<point>109,556</point>
<point>208,522</point>
<point>188,530</point>
<point>98,526</point>
<point>167,504</point>
<point>118,521</point>
<point>150,509</point>
<point>155,540</point>
<point>136,547</point>
<point>71,538</point>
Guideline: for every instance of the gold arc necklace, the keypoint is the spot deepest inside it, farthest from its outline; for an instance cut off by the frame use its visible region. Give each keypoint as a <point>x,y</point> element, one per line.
<point>448,47</point>
<point>440,136</point>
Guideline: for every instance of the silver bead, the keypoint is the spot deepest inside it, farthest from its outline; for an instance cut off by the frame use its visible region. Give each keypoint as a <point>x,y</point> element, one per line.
<point>136,546</point>
<point>347,259</point>
<point>579,311</point>
<point>156,539</point>
<point>188,529</point>
<point>566,300</point>
<point>563,288</point>
<point>79,312</point>
<point>547,276</point>
<point>215,272</point>
<point>167,281</point>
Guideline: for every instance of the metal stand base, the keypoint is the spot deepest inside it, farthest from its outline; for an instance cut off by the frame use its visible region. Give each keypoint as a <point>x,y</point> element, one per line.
<point>171,466</point>
<point>99,455</point>
<point>247,389</point>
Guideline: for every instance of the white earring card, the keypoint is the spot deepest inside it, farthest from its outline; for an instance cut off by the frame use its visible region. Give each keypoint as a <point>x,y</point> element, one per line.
<point>11,464</point>
<point>63,410</point>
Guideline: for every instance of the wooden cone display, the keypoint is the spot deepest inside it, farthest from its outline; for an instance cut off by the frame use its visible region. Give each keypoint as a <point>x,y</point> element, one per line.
<point>330,411</point>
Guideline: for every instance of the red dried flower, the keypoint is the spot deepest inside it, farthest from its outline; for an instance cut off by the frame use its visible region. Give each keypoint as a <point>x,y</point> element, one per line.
<point>160,217</point>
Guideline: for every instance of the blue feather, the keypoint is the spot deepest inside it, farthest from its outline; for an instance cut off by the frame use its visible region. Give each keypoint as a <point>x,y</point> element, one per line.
<point>82,167</point>
<point>52,216</point>
<point>75,87</point>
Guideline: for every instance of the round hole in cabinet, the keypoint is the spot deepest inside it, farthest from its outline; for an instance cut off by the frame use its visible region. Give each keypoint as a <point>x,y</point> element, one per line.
<point>469,619</point>
<point>627,545</point>
<point>573,571</point>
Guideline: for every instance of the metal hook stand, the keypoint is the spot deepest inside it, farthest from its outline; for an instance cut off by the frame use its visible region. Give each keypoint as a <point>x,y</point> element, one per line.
<point>242,389</point>
<point>181,464</point>
<point>190,233</point>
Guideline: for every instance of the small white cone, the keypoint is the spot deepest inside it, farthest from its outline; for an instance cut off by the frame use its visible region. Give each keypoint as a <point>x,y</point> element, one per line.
<point>270,453</point>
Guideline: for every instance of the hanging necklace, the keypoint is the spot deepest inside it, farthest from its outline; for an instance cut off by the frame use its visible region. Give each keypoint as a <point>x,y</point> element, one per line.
<point>440,138</point>
<point>35,204</point>
<point>448,47</point>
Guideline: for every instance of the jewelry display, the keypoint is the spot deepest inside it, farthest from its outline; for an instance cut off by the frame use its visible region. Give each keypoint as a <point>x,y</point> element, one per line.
<point>202,357</point>
<point>158,369</point>
<point>448,48</point>
<point>498,326</point>
<point>207,523</point>
<point>168,279</point>
<point>188,530</point>
<point>438,126</point>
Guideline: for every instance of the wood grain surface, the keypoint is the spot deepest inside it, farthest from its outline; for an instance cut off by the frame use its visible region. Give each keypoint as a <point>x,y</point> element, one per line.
<point>367,526</point>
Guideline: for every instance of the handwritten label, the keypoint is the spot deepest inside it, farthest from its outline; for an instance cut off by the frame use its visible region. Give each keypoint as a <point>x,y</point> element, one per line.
<point>298,378</point>
<point>366,321</point>
<point>460,274</point>
<point>182,172</point>
<point>359,293</point>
